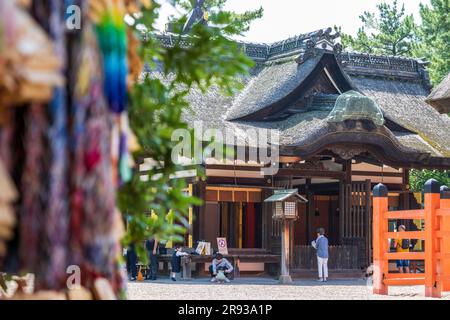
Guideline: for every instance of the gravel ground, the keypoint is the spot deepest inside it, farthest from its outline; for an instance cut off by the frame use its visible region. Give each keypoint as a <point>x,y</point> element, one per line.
<point>268,289</point>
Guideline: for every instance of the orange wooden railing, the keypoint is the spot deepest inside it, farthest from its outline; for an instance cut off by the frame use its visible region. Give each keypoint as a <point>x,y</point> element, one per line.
<point>436,255</point>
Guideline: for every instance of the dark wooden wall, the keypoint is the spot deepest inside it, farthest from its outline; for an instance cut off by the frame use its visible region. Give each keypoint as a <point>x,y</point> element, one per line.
<point>344,257</point>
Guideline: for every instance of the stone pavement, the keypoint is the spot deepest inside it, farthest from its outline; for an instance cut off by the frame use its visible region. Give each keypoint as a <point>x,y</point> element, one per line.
<point>267,289</point>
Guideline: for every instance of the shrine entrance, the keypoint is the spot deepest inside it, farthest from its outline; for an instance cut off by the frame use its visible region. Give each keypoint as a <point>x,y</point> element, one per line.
<point>345,212</point>
<point>356,220</point>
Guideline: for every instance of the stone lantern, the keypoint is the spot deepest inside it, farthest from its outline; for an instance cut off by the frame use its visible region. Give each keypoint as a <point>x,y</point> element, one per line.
<point>285,210</point>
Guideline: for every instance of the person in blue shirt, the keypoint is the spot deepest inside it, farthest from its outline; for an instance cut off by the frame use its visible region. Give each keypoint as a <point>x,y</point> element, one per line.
<point>220,263</point>
<point>321,246</point>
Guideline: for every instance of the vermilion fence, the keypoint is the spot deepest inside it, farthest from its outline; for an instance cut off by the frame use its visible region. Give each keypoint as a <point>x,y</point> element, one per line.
<point>436,214</point>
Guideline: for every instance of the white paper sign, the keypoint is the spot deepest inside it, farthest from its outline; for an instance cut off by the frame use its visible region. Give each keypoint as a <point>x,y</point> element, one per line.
<point>222,245</point>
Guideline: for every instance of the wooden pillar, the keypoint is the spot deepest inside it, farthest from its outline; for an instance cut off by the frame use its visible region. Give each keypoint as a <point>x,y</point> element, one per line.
<point>341,210</point>
<point>190,219</point>
<point>267,220</point>
<point>309,209</point>
<point>368,221</point>
<point>240,225</point>
<point>198,227</point>
<point>291,243</point>
<point>380,245</point>
<point>405,189</point>
<point>432,202</point>
<point>347,200</point>
<point>445,246</point>
<point>285,278</point>
<point>348,171</point>
<point>291,231</point>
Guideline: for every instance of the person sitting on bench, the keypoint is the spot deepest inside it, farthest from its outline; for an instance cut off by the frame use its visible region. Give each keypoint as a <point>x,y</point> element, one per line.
<point>220,263</point>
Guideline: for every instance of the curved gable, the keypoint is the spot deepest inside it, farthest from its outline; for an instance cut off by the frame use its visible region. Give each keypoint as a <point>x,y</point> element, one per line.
<point>280,85</point>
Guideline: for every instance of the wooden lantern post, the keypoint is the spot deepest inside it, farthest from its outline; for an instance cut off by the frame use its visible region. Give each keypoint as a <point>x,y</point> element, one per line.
<point>285,257</point>
<point>286,212</point>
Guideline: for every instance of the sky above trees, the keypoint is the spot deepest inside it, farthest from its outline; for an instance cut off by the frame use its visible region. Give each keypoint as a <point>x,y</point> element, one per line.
<point>285,18</point>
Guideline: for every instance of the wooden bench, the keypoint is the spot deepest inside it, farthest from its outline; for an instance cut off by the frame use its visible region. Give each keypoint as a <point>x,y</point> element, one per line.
<point>235,260</point>
<point>235,256</point>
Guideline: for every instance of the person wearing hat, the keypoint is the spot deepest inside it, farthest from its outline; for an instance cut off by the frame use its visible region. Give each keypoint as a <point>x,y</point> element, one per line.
<point>402,245</point>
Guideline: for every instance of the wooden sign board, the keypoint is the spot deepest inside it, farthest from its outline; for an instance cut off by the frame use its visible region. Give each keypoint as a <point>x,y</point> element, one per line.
<point>222,245</point>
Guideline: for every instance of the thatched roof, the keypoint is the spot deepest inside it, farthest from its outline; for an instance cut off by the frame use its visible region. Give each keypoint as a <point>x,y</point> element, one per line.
<point>440,96</point>
<point>399,86</point>
<point>262,90</point>
<point>404,103</point>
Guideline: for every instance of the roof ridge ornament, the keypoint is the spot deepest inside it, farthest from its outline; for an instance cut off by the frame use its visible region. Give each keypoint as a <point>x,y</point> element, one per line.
<point>321,40</point>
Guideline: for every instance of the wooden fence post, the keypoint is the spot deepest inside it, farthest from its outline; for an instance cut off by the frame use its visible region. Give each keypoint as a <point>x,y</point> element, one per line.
<point>380,247</point>
<point>432,203</point>
<point>445,242</point>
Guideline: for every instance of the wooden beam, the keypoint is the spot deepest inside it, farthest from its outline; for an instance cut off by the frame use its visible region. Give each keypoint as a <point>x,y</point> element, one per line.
<point>287,172</point>
<point>238,181</point>
<point>220,188</point>
<point>232,167</point>
<point>288,159</point>
<point>378,174</point>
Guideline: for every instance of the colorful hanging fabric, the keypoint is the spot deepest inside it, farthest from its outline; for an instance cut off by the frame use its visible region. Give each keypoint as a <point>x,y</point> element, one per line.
<point>108,16</point>
<point>94,242</point>
<point>57,214</point>
<point>111,30</point>
<point>67,207</point>
<point>34,193</point>
<point>45,209</point>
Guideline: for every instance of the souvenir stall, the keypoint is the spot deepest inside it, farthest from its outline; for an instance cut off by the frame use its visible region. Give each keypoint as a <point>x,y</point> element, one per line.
<point>64,146</point>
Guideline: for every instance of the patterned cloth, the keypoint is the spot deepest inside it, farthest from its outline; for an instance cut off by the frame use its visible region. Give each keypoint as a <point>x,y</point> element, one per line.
<point>67,209</point>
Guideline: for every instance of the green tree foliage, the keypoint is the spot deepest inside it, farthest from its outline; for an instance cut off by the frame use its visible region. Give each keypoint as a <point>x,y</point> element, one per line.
<point>232,23</point>
<point>389,32</point>
<point>157,104</point>
<point>419,177</point>
<point>392,32</point>
<point>434,35</point>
